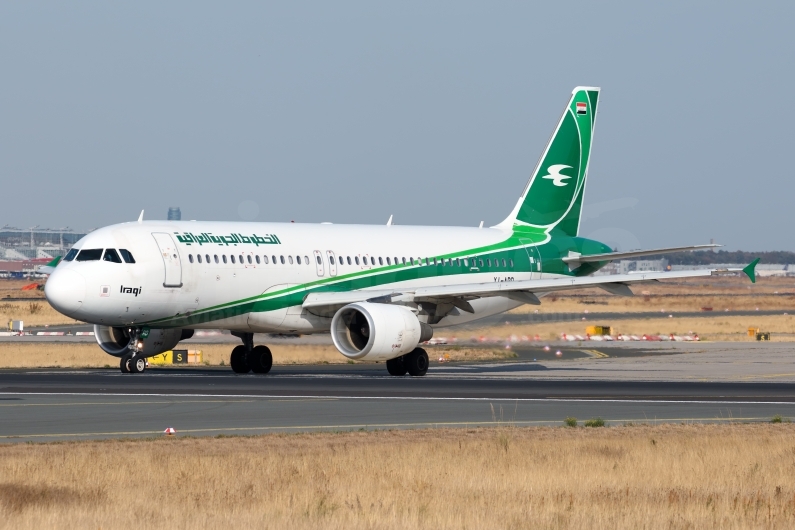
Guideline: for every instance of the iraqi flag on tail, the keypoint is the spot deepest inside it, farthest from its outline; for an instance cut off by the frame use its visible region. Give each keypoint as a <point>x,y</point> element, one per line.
<point>582,108</point>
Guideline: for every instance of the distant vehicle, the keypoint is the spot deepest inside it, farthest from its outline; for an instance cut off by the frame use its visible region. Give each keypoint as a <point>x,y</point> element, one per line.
<point>379,290</point>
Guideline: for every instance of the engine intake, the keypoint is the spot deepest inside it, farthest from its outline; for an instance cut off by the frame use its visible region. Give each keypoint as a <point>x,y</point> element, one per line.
<point>115,340</point>
<point>377,332</point>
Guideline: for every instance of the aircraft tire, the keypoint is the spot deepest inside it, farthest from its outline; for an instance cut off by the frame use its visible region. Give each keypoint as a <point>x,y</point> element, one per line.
<point>396,366</point>
<point>416,362</point>
<point>260,359</point>
<point>238,360</point>
<point>124,364</point>
<point>137,364</point>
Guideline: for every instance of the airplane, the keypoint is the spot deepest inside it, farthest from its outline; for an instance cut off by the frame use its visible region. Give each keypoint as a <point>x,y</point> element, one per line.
<point>379,290</point>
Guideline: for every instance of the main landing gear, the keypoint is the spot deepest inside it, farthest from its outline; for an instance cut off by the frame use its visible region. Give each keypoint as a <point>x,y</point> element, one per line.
<point>249,358</point>
<point>414,363</point>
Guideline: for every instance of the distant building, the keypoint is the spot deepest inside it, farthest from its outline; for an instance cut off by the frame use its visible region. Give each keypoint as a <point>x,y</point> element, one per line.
<point>174,214</point>
<point>35,243</point>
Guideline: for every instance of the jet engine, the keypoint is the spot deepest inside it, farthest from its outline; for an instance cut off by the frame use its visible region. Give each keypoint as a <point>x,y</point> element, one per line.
<point>116,340</point>
<point>377,332</point>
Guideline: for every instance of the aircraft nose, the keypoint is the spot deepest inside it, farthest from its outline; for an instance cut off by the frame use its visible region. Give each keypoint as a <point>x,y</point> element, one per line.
<point>65,290</point>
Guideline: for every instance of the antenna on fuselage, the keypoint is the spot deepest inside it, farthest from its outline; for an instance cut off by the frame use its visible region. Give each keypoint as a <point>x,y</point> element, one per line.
<point>389,223</point>
<point>481,223</point>
<point>141,217</point>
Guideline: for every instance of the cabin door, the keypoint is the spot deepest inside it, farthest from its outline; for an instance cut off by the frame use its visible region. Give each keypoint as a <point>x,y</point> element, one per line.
<point>171,261</point>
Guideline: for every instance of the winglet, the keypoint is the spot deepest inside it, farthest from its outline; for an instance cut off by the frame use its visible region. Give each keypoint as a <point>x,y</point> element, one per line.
<point>750,271</point>
<point>141,217</point>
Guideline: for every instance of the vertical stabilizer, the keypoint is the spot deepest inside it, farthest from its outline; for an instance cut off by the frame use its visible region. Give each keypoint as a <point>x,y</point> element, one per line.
<point>553,197</point>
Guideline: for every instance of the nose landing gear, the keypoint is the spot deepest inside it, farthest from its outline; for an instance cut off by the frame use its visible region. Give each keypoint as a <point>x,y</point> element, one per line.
<point>249,358</point>
<point>133,362</point>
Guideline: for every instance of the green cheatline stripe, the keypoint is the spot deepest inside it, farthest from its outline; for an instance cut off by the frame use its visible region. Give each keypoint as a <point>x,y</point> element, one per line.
<point>513,247</point>
<point>294,295</point>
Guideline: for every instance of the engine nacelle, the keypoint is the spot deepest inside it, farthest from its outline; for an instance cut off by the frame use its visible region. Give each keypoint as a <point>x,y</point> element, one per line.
<point>116,341</point>
<point>377,332</point>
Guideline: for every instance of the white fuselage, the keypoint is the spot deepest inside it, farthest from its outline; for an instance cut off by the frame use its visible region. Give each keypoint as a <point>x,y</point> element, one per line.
<point>166,282</point>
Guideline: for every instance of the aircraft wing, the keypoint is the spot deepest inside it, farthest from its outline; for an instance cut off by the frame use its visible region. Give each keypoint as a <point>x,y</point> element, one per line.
<point>523,291</point>
<point>574,259</point>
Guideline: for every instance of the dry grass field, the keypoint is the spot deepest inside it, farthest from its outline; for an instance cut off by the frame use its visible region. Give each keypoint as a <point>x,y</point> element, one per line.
<point>12,289</point>
<point>670,476</point>
<point>33,313</point>
<point>717,328</point>
<point>89,355</point>
<point>719,293</point>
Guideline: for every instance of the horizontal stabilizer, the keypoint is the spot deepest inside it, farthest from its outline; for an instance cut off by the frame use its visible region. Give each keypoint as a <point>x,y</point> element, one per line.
<point>574,259</point>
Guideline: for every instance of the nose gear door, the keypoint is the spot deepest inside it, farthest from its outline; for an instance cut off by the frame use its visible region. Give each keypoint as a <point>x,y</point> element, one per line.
<point>171,261</point>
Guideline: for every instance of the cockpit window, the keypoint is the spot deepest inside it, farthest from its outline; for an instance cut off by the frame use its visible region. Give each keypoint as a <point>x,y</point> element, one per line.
<point>90,254</point>
<point>111,255</point>
<point>70,255</point>
<point>128,258</point>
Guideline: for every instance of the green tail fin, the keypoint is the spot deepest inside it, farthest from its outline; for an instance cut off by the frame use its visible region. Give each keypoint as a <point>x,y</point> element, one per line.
<point>750,270</point>
<point>553,196</point>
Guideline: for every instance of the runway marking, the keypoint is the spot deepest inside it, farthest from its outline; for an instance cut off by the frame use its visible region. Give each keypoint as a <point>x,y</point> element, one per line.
<point>406,398</point>
<point>157,402</point>
<point>766,376</point>
<point>376,426</point>
<point>596,354</point>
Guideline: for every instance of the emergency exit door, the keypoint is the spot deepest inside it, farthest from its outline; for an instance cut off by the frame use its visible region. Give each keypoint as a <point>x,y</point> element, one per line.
<point>171,261</point>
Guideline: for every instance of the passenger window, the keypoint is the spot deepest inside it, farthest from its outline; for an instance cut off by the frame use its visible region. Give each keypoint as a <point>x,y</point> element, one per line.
<point>126,256</point>
<point>207,258</point>
<point>331,259</point>
<point>224,258</point>
<point>232,259</point>
<point>510,262</point>
<point>248,258</point>
<point>190,258</point>
<point>357,259</point>
<point>89,254</point>
<point>480,261</point>
<point>388,260</point>
<point>306,260</point>
<point>281,258</point>
<point>319,261</point>
<point>215,258</point>
<point>466,262</point>
<point>198,258</point>
<point>265,259</point>
<point>290,259</point>
<point>298,259</point>
<point>70,255</point>
<point>112,256</point>
<point>404,260</point>
<point>257,258</point>
<point>504,264</point>
<point>274,259</point>
<point>241,259</point>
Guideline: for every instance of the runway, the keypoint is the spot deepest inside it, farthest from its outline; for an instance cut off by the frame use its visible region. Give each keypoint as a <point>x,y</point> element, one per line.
<point>48,405</point>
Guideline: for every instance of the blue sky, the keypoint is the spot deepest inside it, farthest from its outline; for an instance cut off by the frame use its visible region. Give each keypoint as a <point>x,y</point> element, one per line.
<point>435,113</point>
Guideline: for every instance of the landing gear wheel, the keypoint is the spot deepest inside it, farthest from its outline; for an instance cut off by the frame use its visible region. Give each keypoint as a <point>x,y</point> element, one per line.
<point>396,366</point>
<point>137,364</point>
<point>416,362</point>
<point>260,359</point>
<point>238,360</point>
<point>124,364</point>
